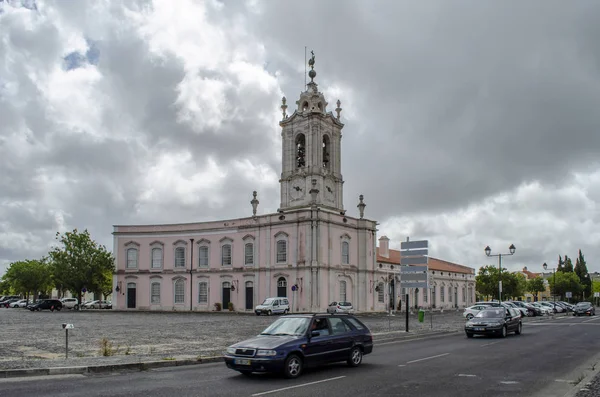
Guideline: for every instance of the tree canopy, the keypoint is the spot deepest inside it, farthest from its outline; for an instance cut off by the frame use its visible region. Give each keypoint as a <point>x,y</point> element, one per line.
<point>28,277</point>
<point>513,284</point>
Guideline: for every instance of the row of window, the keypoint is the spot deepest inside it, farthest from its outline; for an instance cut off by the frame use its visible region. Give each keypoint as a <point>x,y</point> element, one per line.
<point>180,255</point>
<point>179,291</point>
<point>442,289</point>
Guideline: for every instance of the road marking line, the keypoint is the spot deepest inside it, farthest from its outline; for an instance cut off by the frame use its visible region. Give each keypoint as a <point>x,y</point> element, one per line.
<point>489,344</point>
<point>561,380</point>
<point>467,375</point>
<point>427,358</point>
<point>509,382</point>
<point>593,319</point>
<point>402,365</point>
<point>413,339</point>
<point>301,385</point>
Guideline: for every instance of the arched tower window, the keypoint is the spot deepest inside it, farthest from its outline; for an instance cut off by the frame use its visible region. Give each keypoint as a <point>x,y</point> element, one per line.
<point>326,151</point>
<point>300,151</point>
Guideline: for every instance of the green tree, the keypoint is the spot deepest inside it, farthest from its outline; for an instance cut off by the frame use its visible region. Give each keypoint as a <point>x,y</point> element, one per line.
<point>560,265</point>
<point>565,282</point>
<point>486,281</point>
<point>536,285</point>
<point>514,285</point>
<point>568,266</point>
<point>29,277</point>
<point>582,272</point>
<point>79,262</point>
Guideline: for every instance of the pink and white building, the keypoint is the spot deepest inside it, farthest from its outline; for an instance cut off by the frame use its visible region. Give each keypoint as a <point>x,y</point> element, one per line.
<point>309,251</point>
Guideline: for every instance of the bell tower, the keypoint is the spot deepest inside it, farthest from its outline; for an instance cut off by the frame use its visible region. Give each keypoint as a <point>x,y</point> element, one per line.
<point>311,152</point>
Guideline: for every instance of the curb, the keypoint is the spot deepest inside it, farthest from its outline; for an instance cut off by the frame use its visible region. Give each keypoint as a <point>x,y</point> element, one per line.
<point>95,369</point>
<point>594,363</point>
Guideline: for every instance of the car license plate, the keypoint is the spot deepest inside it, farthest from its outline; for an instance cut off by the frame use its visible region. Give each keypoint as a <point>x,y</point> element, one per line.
<point>242,361</point>
<point>479,329</point>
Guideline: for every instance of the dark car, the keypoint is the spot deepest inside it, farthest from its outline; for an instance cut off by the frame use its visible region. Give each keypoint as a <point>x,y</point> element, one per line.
<point>495,321</point>
<point>584,309</point>
<point>46,304</point>
<point>298,341</point>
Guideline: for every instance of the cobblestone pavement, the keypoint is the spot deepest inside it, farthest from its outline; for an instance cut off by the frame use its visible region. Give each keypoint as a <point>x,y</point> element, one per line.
<point>592,389</point>
<point>37,339</point>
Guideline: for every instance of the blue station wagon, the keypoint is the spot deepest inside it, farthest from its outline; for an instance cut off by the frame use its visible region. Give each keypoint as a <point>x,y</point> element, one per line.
<point>297,341</point>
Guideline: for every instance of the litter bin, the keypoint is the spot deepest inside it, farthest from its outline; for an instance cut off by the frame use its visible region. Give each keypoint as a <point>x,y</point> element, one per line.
<point>421,315</point>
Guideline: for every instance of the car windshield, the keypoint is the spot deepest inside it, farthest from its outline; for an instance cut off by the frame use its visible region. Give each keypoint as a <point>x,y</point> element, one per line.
<point>267,301</point>
<point>491,313</point>
<point>345,304</point>
<point>288,326</point>
<point>583,304</point>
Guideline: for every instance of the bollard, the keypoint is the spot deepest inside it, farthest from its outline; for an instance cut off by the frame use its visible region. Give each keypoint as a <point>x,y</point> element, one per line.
<point>67,327</point>
<point>421,315</point>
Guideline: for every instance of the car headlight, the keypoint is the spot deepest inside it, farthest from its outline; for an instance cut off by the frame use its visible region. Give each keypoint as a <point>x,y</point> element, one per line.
<point>266,353</point>
<point>231,350</point>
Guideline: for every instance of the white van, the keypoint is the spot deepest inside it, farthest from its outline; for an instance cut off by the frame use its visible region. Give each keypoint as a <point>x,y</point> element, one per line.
<point>273,306</point>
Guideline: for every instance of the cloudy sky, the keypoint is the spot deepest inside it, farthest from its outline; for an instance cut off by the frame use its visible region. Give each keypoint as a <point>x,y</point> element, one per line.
<point>467,123</point>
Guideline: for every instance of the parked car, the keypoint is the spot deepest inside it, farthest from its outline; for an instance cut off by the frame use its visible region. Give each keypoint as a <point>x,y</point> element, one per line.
<point>584,309</point>
<point>298,341</point>
<point>20,303</point>
<point>495,321</point>
<point>8,302</point>
<point>471,311</point>
<point>46,304</point>
<point>70,303</point>
<point>273,306</point>
<point>530,310</point>
<point>340,307</point>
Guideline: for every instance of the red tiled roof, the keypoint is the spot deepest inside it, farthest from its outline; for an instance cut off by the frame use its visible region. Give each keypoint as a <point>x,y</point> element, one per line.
<point>433,263</point>
<point>530,274</point>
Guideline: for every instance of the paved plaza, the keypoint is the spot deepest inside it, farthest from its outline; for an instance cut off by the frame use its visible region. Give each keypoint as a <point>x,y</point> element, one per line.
<point>37,339</point>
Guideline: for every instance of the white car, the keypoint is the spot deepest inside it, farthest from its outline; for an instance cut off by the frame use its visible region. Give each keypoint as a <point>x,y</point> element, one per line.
<point>470,312</point>
<point>70,303</point>
<point>273,306</point>
<point>20,303</point>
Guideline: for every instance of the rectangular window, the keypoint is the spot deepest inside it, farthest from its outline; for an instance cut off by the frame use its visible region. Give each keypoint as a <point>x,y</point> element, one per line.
<point>442,293</point>
<point>155,293</point>
<point>226,255</point>
<point>203,256</point>
<point>425,294</point>
<point>156,258</point>
<point>132,258</point>
<point>281,251</point>
<point>179,291</point>
<point>380,293</point>
<point>449,294</point>
<point>180,257</point>
<point>345,253</point>
<point>342,291</point>
<point>249,254</point>
<point>203,292</point>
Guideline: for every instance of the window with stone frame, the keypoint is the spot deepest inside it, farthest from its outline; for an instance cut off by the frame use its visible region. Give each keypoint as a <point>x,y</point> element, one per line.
<point>345,253</point>
<point>300,148</point>
<point>132,258</point>
<point>157,258</point>
<point>226,255</point>
<point>155,293</point>
<point>425,294</point>
<point>342,291</point>
<point>380,293</point>
<point>202,292</point>
<point>281,251</point>
<point>464,294</point>
<point>326,151</point>
<point>180,257</point>
<point>450,294</point>
<point>179,291</point>
<point>203,256</point>
<point>442,293</point>
<point>249,254</point>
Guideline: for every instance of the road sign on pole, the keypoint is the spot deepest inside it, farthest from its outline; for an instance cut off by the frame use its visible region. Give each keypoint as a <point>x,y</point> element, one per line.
<point>413,253</point>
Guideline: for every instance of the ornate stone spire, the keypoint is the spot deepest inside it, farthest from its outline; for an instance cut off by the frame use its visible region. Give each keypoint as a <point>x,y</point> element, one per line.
<point>361,206</point>
<point>338,109</point>
<point>311,62</point>
<point>254,203</point>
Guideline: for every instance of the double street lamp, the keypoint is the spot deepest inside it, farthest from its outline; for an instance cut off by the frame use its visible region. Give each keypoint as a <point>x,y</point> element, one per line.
<point>553,290</point>
<point>488,252</point>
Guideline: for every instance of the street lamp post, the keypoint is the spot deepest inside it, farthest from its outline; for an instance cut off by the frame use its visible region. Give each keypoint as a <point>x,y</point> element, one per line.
<point>553,290</point>
<point>488,252</point>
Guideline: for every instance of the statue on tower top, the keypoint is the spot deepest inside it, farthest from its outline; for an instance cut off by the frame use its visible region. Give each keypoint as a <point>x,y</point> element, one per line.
<point>311,62</point>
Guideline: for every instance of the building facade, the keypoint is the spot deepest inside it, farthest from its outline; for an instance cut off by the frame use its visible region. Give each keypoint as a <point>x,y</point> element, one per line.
<point>309,251</point>
<point>452,287</point>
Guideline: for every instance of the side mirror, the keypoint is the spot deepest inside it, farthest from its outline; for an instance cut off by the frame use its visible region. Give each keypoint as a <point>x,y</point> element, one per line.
<point>315,333</point>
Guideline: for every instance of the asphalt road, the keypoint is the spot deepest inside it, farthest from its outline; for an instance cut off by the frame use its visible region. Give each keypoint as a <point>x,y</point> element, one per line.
<point>540,362</point>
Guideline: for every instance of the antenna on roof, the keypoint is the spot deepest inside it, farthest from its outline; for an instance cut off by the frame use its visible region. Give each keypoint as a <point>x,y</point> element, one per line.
<point>304,67</point>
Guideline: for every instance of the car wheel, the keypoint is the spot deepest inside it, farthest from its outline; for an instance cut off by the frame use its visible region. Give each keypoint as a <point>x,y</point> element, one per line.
<point>293,366</point>
<point>504,332</point>
<point>76,307</point>
<point>356,356</point>
<point>285,311</point>
<point>469,316</point>
<point>469,334</point>
<point>258,314</point>
<point>269,313</point>
<point>519,329</point>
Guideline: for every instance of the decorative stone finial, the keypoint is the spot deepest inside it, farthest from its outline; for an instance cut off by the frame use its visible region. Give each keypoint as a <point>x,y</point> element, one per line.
<point>284,107</point>
<point>254,203</point>
<point>314,191</point>
<point>361,206</point>
<point>338,109</point>
<point>311,62</point>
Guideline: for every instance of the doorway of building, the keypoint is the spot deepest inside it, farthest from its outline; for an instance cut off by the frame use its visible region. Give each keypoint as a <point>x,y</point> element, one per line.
<point>249,295</point>
<point>282,287</point>
<point>226,295</point>
<point>131,295</point>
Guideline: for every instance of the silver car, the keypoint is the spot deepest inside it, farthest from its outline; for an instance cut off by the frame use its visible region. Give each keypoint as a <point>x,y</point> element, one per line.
<point>340,307</point>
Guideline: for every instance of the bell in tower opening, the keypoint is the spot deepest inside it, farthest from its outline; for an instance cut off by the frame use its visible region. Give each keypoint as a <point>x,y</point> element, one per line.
<point>326,149</point>
<point>300,151</point>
